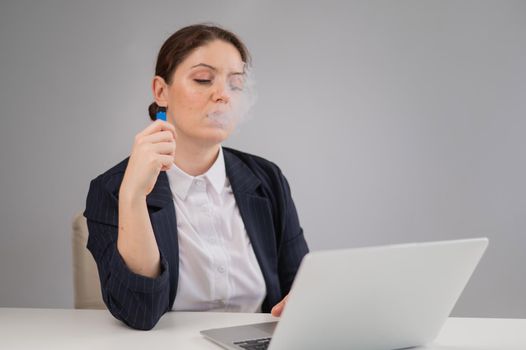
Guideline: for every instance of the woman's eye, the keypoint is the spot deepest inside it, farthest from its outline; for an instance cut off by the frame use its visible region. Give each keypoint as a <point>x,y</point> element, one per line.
<point>236,88</point>
<point>236,84</point>
<point>202,81</point>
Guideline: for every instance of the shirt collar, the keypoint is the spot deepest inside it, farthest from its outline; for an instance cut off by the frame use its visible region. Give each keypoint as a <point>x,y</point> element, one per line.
<point>181,182</point>
<point>217,173</point>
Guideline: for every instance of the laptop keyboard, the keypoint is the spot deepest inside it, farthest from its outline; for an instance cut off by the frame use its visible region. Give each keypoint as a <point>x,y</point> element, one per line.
<point>254,344</point>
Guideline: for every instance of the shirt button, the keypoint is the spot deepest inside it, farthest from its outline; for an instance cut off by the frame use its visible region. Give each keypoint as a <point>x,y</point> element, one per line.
<point>221,269</point>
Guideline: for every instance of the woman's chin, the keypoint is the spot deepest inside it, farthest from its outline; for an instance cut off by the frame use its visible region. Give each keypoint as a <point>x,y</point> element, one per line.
<point>215,135</point>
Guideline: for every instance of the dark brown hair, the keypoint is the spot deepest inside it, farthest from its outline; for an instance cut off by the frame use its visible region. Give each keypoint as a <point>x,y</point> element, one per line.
<point>181,44</point>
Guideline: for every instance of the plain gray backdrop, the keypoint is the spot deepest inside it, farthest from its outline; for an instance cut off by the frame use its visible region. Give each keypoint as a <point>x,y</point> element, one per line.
<point>394,121</point>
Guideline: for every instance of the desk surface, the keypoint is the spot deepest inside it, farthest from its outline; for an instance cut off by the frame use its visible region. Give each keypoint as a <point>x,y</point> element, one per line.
<point>97,329</point>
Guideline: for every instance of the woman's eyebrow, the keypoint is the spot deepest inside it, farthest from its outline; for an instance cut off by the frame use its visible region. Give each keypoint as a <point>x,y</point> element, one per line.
<point>205,65</point>
<point>215,69</point>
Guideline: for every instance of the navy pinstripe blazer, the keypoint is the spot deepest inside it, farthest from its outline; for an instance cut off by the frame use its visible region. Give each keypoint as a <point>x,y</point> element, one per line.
<point>263,196</point>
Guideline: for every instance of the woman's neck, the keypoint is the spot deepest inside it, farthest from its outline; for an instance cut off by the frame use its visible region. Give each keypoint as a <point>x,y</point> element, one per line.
<point>195,159</point>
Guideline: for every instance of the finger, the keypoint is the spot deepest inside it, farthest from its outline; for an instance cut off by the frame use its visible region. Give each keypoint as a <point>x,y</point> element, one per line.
<point>160,136</point>
<point>278,308</point>
<point>166,161</point>
<point>158,125</point>
<point>164,148</point>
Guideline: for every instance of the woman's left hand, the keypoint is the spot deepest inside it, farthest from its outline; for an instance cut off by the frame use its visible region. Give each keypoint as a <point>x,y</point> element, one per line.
<point>278,308</point>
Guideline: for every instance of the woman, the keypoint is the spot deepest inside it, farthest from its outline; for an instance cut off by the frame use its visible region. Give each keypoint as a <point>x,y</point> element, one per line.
<point>184,223</point>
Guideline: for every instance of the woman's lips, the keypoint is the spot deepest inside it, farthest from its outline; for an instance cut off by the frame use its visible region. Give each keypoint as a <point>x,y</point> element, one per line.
<point>220,118</point>
<point>216,112</point>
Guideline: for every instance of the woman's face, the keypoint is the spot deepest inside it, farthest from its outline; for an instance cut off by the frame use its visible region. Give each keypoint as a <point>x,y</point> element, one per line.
<point>203,97</point>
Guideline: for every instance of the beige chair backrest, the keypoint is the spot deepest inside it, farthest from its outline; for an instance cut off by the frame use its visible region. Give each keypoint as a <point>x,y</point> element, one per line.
<point>85,274</point>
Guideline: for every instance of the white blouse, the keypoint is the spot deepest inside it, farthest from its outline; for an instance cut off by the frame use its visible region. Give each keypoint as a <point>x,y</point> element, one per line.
<point>218,270</point>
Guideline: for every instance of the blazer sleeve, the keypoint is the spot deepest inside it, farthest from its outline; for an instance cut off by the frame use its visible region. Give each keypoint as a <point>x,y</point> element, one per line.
<point>136,300</point>
<point>292,245</point>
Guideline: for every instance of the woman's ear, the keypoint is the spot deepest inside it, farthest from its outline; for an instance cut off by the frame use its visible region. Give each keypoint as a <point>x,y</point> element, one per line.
<point>160,91</point>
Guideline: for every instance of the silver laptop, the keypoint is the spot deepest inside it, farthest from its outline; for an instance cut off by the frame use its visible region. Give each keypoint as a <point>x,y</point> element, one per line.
<point>386,297</point>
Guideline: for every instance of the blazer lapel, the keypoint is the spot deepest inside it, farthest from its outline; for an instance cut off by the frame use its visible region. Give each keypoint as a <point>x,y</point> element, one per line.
<point>256,213</point>
<point>164,222</point>
<point>161,194</point>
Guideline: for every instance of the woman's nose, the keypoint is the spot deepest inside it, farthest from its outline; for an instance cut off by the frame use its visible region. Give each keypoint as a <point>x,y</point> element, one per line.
<point>221,93</point>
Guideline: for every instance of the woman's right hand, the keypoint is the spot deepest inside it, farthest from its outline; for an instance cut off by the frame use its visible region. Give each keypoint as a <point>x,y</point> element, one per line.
<point>153,151</point>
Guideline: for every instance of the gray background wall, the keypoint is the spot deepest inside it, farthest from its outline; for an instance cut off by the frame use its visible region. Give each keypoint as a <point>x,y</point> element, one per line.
<point>393,121</point>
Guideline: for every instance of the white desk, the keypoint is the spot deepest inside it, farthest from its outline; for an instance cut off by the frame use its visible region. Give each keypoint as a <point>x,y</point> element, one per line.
<point>97,329</point>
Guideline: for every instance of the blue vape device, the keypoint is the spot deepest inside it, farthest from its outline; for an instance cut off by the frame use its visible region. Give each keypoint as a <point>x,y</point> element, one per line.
<point>161,115</point>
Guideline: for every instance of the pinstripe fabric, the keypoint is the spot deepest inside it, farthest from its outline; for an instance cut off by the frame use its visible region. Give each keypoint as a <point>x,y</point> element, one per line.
<point>263,196</point>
